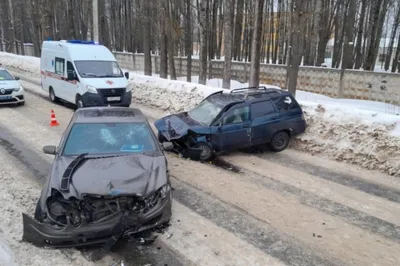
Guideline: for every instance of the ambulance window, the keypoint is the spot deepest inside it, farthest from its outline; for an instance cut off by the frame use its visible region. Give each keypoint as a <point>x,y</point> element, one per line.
<point>60,65</point>
<point>70,67</point>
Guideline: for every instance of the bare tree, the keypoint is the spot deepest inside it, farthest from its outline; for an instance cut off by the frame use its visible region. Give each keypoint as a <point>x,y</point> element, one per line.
<point>163,39</point>
<point>146,37</point>
<point>188,40</point>
<point>238,30</point>
<point>378,13</point>
<point>296,43</point>
<point>203,16</point>
<point>229,10</point>
<point>396,25</point>
<point>256,45</point>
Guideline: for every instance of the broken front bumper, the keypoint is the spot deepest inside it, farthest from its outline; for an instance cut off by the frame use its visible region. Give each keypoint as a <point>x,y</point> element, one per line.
<point>42,234</point>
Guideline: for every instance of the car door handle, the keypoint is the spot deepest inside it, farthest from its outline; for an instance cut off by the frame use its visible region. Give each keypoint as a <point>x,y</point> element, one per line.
<point>246,125</point>
<point>274,118</point>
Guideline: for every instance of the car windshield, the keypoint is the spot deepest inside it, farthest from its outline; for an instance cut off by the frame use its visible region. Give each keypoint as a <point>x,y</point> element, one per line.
<point>98,69</point>
<point>205,112</point>
<point>4,75</point>
<point>109,138</point>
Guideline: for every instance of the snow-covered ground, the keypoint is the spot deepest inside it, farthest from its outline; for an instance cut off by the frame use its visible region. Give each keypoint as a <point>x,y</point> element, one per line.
<point>362,132</point>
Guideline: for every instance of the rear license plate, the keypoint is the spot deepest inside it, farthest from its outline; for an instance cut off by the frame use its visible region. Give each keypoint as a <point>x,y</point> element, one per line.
<point>5,97</point>
<point>113,99</point>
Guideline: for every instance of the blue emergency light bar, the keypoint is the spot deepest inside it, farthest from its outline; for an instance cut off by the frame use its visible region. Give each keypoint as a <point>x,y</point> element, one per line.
<point>82,42</point>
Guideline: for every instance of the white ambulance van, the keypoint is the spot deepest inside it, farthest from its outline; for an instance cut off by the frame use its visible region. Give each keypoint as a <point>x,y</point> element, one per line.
<point>83,73</point>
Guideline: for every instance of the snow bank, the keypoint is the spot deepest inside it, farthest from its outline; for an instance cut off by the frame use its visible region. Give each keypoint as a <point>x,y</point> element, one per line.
<point>28,64</point>
<point>365,133</point>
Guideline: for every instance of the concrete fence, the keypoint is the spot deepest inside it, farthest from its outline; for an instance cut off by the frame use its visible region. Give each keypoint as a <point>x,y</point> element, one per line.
<point>365,85</point>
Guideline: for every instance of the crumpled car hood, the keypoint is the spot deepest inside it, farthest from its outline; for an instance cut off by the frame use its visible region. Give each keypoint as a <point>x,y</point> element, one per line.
<point>176,126</point>
<point>136,174</point>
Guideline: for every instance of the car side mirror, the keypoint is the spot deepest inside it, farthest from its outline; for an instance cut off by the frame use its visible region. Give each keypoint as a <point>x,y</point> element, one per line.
<point>16,78</point>
<point>50,150</point>
<point>168,146</point>
<point>127,75</point>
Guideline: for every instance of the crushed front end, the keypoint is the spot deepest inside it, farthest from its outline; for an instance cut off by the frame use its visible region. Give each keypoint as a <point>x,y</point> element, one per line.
<point>96,220</point>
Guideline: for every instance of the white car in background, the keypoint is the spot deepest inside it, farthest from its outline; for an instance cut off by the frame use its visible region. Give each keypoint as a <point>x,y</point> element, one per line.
<point>11,92</point>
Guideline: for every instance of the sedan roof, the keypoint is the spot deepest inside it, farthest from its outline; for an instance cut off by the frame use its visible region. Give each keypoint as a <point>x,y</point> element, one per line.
<point>108,115</point>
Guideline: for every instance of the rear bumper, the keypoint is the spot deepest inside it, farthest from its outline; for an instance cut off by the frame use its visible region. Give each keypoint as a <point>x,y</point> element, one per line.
<point>42,234</point>
<point>92,100</point>
<point>299,128</point>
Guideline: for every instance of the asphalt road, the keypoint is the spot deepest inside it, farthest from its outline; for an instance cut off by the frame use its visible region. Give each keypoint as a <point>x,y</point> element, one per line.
<point>280,209</point>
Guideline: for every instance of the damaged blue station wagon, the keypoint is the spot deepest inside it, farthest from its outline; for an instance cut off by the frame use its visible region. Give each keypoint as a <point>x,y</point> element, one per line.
<point>229,121</point>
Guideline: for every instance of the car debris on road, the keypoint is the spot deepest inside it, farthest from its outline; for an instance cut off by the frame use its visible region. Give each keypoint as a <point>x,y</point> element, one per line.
<point>109,180</point>
<point>242,118</point>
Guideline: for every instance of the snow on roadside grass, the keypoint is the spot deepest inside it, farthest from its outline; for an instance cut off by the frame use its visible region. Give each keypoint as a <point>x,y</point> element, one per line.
<point>355,131</point>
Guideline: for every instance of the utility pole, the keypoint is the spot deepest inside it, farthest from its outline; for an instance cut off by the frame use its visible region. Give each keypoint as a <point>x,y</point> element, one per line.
<point>96,20</point>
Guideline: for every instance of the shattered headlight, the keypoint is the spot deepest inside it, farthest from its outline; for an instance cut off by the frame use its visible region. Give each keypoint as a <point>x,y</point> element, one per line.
<point>153,198</point>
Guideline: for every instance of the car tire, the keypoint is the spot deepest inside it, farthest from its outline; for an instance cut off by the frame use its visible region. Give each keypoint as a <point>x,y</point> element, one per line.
<point>79,102</point>
<point>53,96</point>
<point>280,141</point>
<point>207,152</point>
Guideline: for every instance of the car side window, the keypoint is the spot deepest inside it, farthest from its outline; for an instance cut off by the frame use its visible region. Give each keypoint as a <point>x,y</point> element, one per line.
<point>239,115</point>
<point>59,66</point>
<point>261,109</point>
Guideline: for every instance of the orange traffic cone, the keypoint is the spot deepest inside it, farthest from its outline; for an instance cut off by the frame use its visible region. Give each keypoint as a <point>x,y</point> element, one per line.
<point>53,121</point>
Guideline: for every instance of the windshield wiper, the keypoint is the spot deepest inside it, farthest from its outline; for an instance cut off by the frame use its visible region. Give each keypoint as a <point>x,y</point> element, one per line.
<point>66,178</point>
<point>90,75</point>
<point>109,76</point>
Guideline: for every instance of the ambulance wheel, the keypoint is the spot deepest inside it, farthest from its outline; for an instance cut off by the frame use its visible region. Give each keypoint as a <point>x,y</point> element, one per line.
<point>79,102</point>
<point>53,96</point>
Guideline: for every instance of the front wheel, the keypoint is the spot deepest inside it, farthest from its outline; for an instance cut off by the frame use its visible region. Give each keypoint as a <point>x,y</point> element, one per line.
<point>280,141</point>
<point>206,151</point>
<point>53,96</point>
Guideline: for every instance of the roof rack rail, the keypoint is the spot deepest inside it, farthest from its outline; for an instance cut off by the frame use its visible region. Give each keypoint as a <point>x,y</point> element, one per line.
<point>254,91</point>
<point>249,88</point>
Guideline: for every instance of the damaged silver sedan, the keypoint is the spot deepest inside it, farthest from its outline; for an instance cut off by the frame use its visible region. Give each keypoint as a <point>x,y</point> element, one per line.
<point>109,180</point>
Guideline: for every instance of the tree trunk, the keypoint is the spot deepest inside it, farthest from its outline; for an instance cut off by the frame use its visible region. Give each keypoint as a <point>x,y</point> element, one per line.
<point>203,41</point>
<point>12,24</point>
<point>163,40</point>
<point>348,47</point>
<point>171,43</point>
<point>378,17</point>
<point>146,38</point>
<point>297,42</point>
<point>396,59</point>
<point>238,30</point>
<point>256,45</point>
<point>229,12</point>
<point>358,48</point>
<point>188,40</point>
<point>396,23</point>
